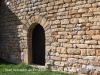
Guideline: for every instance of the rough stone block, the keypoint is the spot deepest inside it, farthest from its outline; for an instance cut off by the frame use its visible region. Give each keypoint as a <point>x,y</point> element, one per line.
<point>81,32</point>
<point>95,27</point>
<point>95,46</point>
<point>87,37</point>
<point>83,52</point>
<point>83,20</point>
<point>59,2</point>
<point>74,41</point>
<point>89,57</point>
<point>67,1</point>
<point>87,14</point>
<point>63,50</point>
<point>73,11</point>
<point>82,10</point>
<point>91,52</point>
<point>98,52</point>
<point>65,21</point>
<point>90,32</point>
<point>74,20</point>
<point>77,36</point>
<point>91,42</point>
<point>63,40</point>
<point>61,10</point>
<point>55,58</point>
<point>49,8</point>
<point>55,44</point>
<point>83,46</point>
<point>73,51</point>
<point>67,45</point>
<point>88,5</point>
<point>72,60</point>
<point>57,63</point>
<point>56,22</point>
<point>96,37</point>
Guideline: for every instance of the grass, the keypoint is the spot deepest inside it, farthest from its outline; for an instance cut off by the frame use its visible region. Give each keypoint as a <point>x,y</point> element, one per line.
<point>7,68</point>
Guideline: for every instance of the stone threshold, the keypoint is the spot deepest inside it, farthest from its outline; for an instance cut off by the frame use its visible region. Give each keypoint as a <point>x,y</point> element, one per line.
<point>38,66</point>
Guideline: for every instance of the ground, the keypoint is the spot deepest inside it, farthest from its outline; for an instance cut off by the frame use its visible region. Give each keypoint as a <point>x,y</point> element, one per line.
<point>7,68</point>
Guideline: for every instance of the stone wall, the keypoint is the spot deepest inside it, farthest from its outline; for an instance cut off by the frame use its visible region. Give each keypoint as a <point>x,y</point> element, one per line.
<point>72,33</point>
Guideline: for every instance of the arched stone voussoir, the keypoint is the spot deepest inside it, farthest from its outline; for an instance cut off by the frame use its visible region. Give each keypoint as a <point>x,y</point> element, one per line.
<point>48,31</point>
<point>46,24</point>
<point>36,18</point>
<point>40,19</point>
<point>43,21</point>
<point>33,20</point>
<point>29,22</point>
<point>47,27</point>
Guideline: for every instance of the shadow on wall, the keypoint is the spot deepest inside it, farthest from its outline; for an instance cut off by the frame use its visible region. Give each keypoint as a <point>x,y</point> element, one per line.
<point>9,33</point>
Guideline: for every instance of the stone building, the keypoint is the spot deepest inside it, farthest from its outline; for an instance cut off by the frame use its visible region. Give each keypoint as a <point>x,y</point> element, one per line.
<point>62,35</point>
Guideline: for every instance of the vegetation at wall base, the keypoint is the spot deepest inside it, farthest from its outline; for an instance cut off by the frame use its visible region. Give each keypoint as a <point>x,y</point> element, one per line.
<point>7,68</point>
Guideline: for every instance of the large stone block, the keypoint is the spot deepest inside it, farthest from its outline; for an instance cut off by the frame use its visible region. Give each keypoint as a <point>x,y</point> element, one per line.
<point>67,45</point>
<point>65,21</point>
<point>82,10</point>
<point>63,50</point>
<point>98,52</point>
<point>96,37</point>
<point>73,51</point>
<point>91,52</point>
<point>91,42</point>
<point>90,32</point>
<point>61,10</point>
<point>56,22</point>
<point>59,2</point>
<point>96,46</point>
<point>83,46</point>
<point>74,20</point>
<point>83,52</point>
<point>57,63</point>
<point>49,8</point>
<point>55,58</point>
<point>74,41</point>
<point>63,40</point>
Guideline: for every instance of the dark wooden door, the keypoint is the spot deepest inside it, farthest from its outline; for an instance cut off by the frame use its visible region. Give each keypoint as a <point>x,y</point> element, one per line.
<point>38,45</point>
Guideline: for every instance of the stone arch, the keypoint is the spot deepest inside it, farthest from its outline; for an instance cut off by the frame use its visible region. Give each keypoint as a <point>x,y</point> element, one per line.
<point>27,29</point>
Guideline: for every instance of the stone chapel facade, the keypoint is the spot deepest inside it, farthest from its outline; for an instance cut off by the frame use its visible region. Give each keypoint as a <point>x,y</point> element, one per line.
<point>63,34</point>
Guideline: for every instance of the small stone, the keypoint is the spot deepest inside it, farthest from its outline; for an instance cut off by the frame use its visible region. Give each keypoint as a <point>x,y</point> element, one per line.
<point>74,46</point>
<point>52,62</point>
<point>89,67</point>
<point>83,66</point>
<point>52,54</point>
<point>77,29</point>
<point>91,42</point>
<point>73,51</point>
<point>22,53</point>
<point>57,63</point>
<point>55,44</point>
<point>8,3</point>
<point>33,1</point>
<point>82,41</point>
<point>26,9</point>
<point>79,25</point>
<point>19,30</point>
<point>72,60</point>
<point>47,57</point>
<point>33,8</point>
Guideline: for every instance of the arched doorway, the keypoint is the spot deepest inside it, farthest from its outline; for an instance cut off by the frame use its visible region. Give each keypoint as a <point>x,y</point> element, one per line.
<point>38,45</point>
